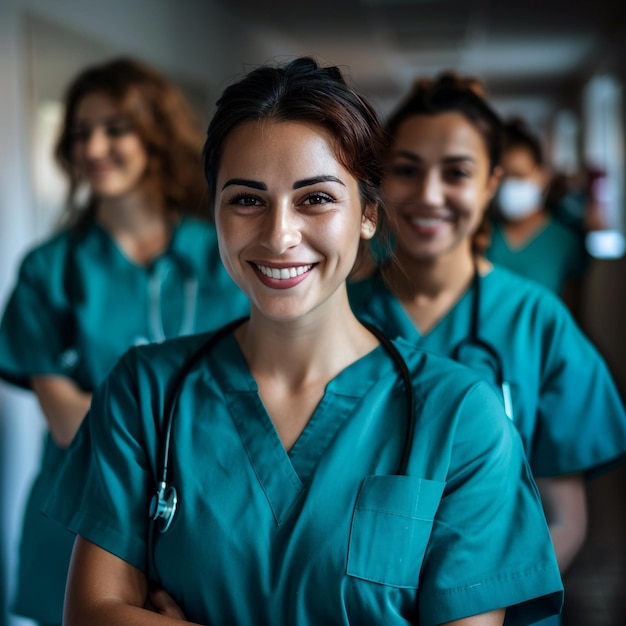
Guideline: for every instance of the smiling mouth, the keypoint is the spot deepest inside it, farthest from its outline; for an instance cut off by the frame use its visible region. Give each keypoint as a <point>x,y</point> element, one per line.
<point>283,273</point>
<point>426,222</point>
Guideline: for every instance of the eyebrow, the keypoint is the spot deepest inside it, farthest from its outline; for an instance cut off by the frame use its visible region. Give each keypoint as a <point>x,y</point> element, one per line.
<point>307,182</point>
<point>409,156</point>
<point>110,119</point>
<point>245,183</point>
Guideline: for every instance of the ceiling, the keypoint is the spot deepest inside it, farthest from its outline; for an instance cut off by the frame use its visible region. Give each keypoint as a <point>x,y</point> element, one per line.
<point>529,53</point>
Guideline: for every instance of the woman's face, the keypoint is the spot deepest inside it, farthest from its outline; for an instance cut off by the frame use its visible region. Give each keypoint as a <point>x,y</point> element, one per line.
<point>438,184</point>
<point>107,153</point>
<point>289,217</point>
<point>520,195</point>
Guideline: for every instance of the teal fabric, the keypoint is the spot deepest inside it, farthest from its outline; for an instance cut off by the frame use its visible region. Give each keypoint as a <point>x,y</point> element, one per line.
<point>325,533</point>
<point>565,404</point>
<point>75,316</point>
<point>555,255</point>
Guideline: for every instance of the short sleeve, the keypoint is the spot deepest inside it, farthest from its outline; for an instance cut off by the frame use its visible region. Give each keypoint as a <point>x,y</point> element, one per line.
<point>105,486</point>
<point>581,423</point>
<point>490,546</point>
<point>35,327</point>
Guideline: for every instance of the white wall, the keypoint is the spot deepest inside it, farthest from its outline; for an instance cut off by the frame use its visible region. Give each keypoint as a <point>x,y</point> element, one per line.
<point>194,40</point>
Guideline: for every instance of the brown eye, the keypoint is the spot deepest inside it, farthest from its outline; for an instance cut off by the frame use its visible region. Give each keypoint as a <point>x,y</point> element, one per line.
<point>79,134</point>
<point>117,129</point>
<point>403,170</point>
<point>244,199</point>
<point>318,198</point>
<point>457,174</point>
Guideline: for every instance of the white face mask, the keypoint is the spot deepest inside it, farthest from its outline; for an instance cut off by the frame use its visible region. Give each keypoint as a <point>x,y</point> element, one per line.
<point>518,198</point>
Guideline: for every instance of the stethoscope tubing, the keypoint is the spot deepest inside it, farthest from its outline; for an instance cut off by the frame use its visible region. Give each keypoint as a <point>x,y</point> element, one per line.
<point>164,502</point>
<point>473,339</point>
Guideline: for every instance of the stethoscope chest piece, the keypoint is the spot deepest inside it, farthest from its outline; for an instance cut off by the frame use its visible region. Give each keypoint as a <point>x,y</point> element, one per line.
<point>163,506</point>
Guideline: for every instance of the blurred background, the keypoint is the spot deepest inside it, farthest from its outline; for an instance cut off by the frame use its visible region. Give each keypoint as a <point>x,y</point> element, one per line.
<point>561,65</point>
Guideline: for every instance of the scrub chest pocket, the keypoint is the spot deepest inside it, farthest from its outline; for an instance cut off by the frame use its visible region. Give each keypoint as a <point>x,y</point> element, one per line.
<point>391,526</point>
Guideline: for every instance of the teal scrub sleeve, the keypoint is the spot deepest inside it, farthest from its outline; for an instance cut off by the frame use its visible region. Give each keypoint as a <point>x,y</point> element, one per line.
<point>490,546</point>
<point>34,328</point>
<point>581,423</point>
<point>105,486</point>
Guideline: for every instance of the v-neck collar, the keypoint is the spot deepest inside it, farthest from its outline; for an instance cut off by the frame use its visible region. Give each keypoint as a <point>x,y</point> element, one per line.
<point>283,475</point>
<point>399,323</point>
<point>531,240</point>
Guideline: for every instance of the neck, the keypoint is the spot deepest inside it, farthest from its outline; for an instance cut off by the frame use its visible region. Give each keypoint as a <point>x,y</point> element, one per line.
<point>309,350</point>
<point>141,229</point>
<point>413,277</point>
<point>429,288</point>
<point>521,230</point>
<point>132,213</point>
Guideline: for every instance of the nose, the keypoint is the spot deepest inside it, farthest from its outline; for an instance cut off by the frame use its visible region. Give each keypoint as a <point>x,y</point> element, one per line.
<point>96,144</point>
<point>282,228</point>
<point>431,189</point>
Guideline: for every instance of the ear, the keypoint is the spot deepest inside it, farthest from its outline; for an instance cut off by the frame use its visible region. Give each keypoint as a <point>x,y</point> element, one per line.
<point>369,219</point>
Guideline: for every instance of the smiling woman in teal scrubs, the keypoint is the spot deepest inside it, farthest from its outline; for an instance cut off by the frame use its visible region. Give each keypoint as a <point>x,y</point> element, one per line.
<point>439,293</point>
<point>287,434</point>
<point>132,268</point>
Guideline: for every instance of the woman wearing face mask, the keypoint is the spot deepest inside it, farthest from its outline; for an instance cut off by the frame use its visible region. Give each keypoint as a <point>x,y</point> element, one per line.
<point>439,292</point>
<point>526,238</point>
<point>131,266</point>
<point>288,439</point>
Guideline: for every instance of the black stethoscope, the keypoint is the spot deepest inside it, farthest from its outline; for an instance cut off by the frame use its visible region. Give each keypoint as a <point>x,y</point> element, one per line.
<point>164,502</point>
<point>466,350</point>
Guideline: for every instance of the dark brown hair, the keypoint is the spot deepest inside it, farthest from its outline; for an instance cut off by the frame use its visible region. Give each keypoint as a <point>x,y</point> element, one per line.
<point>161,117</point>
<point>303,91</point>
<point>453,93</point>
<point>517,134</point>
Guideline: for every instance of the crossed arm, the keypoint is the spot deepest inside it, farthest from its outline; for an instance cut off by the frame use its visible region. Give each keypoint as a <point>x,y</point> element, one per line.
<point>103,589</point>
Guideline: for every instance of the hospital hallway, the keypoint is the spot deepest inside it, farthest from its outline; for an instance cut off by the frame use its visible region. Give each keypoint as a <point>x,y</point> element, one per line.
<point>558,66</point>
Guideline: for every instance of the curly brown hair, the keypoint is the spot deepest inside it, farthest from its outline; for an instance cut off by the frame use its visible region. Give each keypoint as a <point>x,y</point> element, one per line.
<point>165,123</point>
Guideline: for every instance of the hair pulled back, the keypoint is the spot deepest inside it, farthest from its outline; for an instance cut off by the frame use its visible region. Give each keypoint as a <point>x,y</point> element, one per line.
<point>303,91</point>
<point>453,93</point>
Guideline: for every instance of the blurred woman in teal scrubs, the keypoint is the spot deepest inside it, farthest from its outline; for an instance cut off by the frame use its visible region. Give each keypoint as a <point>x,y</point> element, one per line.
<point>438,292</point>
<point>132,266</point>
<point>316,483</point>
<point>526,238</point>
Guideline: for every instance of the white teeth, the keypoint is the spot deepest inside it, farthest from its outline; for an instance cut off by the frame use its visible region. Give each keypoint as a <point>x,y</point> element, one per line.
<point>426,222</point>
<point>284,272</point>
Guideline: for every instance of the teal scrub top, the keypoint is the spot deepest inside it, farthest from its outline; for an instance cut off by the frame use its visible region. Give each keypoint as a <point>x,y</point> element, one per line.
<point>565,404</point>
<point>79,303</point>
<point>324,533</point>
<point>555,255</point>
